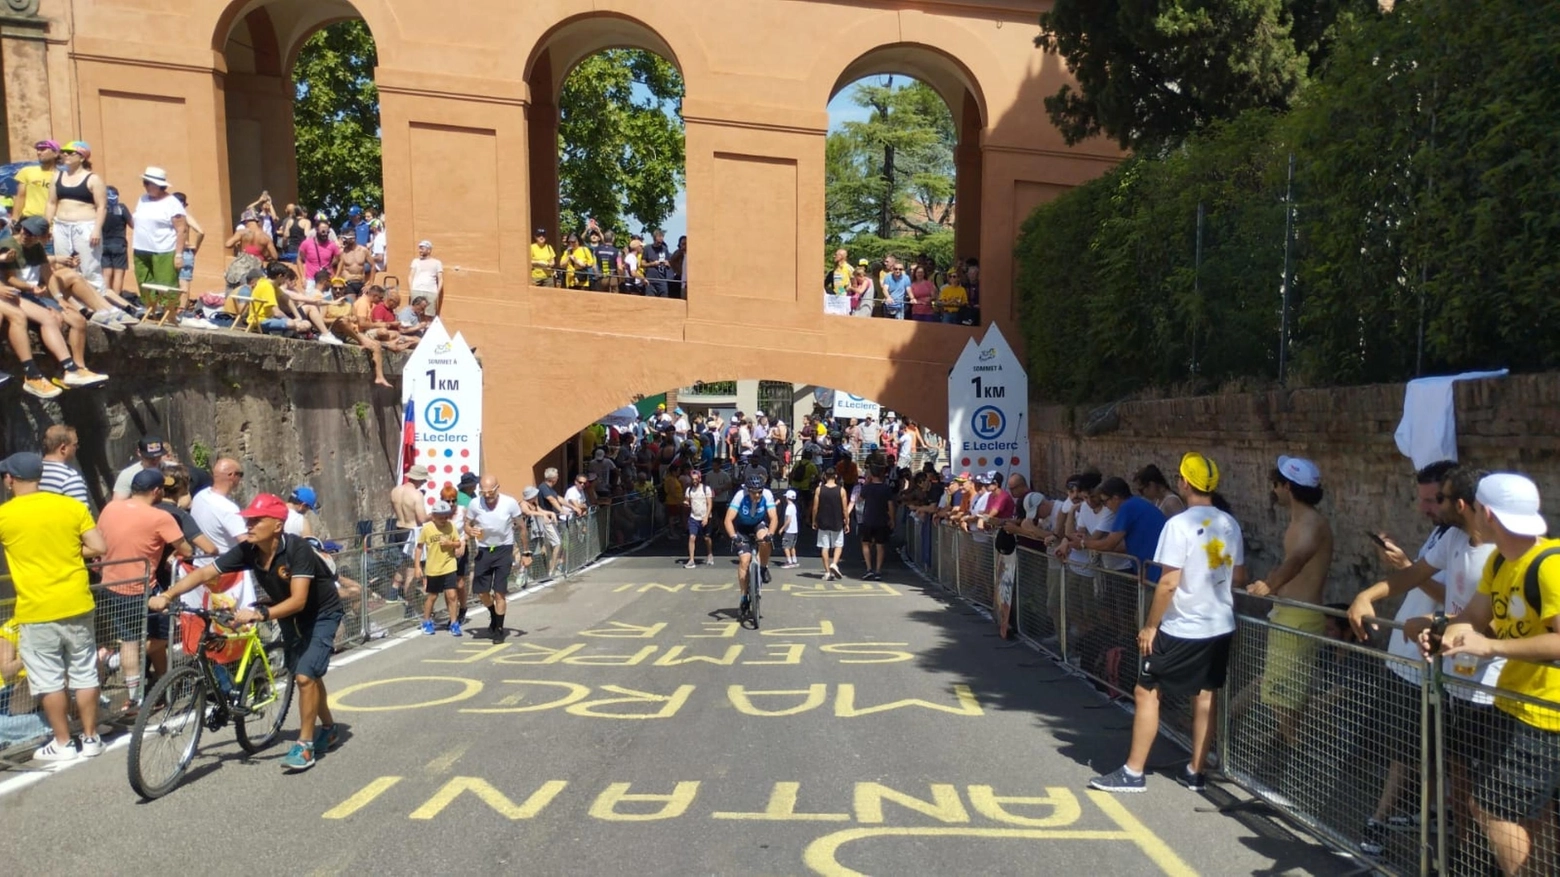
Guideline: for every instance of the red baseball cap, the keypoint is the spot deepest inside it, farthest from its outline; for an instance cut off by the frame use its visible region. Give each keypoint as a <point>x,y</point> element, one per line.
<point>266,505</point>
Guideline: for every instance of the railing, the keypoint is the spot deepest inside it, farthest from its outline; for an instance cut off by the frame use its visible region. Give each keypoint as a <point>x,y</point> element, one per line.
<point>1322,729</point>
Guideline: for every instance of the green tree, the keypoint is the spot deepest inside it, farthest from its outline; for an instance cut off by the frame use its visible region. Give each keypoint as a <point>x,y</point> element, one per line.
<point>336,121</point>
<point>892,174</point>
<point>1149,74</point>
<point>619,157</point>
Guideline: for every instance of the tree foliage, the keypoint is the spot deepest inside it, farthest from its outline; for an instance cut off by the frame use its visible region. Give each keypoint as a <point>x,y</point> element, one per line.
<point>619,157</point>
<point>892,175</point>
<point>336,121</point>
<point>1151,73</point>
<point>1426,238</point>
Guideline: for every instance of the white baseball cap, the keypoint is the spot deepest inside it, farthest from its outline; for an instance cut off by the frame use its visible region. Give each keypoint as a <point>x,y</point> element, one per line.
<point>1300,471</point>
<point>440,507</point>
<point>1513,499</point>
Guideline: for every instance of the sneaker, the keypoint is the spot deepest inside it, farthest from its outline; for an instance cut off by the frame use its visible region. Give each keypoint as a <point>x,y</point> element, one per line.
<point>871,576</point>
<point>83,377</point>
<point>455,629</point>
<point>1373,841</point>
<point>56,751</point>
<point>462,618</point>
<point>125,318</point>
<point>743,609</point>
<point>689,565</point>
<point>330,338</point>
<point>107,321</point>
<point>4,379</point>
<point>91,747</point>
<point>1119,781</point>
<point>1194,781</point>
<point>837,574</point>
<point>41,388</point>
<point>763,574</point>
<point>325,738</point>
<point>195,323</point>
<point>709,561</point>
<point>299,758</point>
<point>427,628</point>
<point>499,635</point>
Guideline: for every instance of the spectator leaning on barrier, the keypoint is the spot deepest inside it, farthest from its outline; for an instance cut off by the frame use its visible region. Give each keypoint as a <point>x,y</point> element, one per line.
<point>1135,526</point>
<point>1515,615</point>
<point>1308,548</point>
<point>59,445</point>
<point>1185,640</point>
<point>149,452</point>
<point>1151,484</point>
<point>46,537</point>
<point>301,589</point>
<point>134,528</point>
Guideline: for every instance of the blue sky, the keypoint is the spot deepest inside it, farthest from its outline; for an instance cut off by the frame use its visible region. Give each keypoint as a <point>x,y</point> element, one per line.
<point>841,110</point>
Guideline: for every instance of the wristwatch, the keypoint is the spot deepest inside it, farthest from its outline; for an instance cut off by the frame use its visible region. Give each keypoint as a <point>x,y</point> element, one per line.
<point>265,611</point>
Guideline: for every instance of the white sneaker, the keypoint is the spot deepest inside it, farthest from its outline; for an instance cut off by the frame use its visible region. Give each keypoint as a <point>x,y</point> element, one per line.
<point>84,377</point>
<point>330,338</point>
<point>125,317</point>
<point>91,747</point>
<point>689,565</point>
<point>194,323</point>
<point>56,751</point>
<point>108,321</point>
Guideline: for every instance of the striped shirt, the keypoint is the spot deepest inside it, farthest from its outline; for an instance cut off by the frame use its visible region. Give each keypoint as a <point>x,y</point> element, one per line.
<point>62,479</point>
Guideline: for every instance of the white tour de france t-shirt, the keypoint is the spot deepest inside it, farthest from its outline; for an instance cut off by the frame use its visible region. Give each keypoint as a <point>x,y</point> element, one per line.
<point>1416,603</point>
<point>1205,544</point>
<point>495,523</point>
<point>1462,565</point>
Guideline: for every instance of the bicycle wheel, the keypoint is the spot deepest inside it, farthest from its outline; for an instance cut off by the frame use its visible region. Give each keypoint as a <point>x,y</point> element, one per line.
<point>167,731</point>
<point>755,589</point>
<point>259,727</point>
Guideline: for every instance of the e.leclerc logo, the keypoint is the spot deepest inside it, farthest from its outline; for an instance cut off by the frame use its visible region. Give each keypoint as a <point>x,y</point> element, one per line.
<point>441,415</point>
<point>988,423</point>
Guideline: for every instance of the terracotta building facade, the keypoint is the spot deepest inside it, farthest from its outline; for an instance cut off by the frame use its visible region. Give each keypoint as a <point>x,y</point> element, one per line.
<point>469,92</point>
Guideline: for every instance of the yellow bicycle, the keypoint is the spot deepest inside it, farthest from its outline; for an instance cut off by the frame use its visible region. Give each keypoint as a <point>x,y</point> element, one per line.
<point>176,711</point>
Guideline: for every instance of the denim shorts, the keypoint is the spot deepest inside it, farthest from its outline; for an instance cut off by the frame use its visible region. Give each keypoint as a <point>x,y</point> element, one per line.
<point>188,271</point>
<point>308,648</point>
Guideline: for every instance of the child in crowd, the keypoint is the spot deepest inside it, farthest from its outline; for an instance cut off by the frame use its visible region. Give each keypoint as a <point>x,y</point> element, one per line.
<point>789,527</point>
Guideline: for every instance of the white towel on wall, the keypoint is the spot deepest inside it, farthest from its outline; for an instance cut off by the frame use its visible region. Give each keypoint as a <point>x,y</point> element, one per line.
<point>1428,433</point>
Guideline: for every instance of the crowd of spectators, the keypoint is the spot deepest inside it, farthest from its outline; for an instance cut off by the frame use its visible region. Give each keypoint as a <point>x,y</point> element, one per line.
<point>890,288</point>
<point>591,259</point>
<point>73,254</point>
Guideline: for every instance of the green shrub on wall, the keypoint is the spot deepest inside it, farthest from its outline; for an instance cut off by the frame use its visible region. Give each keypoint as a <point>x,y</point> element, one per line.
<point>1427,237</point>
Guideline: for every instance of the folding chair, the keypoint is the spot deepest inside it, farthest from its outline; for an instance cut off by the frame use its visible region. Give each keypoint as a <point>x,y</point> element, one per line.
<point>240,298</point>
<point>156,296</point>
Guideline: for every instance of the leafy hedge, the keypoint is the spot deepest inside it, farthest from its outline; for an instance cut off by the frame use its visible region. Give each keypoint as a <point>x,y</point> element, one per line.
<point>1427,192</point>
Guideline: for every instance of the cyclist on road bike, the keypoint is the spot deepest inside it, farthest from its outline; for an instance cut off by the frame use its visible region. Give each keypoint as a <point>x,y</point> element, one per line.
<point>750,519</point>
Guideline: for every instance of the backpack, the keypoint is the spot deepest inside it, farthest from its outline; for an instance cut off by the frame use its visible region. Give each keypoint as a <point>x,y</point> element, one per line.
<point>1530,589</point>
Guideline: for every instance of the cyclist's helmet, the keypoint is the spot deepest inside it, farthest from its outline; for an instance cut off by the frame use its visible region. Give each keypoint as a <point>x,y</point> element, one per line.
<point>755,481</point>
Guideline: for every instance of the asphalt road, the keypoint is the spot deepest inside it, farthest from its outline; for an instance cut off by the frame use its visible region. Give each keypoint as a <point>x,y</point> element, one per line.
<point>630,727</point>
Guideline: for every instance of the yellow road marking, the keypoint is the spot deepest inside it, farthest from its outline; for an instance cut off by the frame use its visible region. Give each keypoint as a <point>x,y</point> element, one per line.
<point>1151,845</point>
<point>362,798</point>
<point>820,854</point>
<point>446,761</point>
<point>782,808</point>
<point>469,688</point>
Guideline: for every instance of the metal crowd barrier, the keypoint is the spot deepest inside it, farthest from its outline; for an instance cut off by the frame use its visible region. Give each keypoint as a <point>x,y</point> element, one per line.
<point>1329,732</point>
<point>119,626</point>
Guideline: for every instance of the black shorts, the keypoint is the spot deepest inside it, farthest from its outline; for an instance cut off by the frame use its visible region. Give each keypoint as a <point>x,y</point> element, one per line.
<point>462,565</point>
<point>1186,666</point>
<point>490,573</point>
<point>439,584</point>
<point>1399,717</point>
<point>1468,724</point>
<point>119,259</point>
<point>874,534</point>
<point>1520,771</point>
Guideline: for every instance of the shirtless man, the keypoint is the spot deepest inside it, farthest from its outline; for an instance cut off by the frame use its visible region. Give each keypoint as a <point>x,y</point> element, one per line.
<point>386,332</point>
<point>357,264</point>
<point>1308,548</point>
<point>411,512</point>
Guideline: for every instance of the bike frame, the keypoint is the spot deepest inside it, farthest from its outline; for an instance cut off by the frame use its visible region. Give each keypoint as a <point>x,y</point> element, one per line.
<point>253,649</point>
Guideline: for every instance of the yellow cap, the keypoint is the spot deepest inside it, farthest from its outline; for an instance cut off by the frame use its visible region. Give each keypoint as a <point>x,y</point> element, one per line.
<point>1200,472</point>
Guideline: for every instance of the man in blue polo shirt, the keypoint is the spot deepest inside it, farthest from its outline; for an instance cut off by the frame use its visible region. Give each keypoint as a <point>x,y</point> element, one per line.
<point>1136,528</point>
<point>896,289</point>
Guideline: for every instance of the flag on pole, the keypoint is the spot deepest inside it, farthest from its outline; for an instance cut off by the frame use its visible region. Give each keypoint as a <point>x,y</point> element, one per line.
<point>408,441</point>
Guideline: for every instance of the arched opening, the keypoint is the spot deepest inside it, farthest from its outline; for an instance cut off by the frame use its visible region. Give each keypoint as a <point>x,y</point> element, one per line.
<point>302,110</point>
<point>607,158</point>
<point>903,173</point>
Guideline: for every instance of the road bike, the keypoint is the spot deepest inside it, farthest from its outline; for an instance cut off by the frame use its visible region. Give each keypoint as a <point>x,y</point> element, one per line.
<point>206,694</point>
<point>755,577</point>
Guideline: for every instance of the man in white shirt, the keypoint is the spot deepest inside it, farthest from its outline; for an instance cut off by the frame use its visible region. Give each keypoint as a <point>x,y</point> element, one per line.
<point>1185,640</point>
<point>490,520</point>
<point>700,500</point>
<point>300,502</point>
<point>216,513</point>
<point>578,497</point>
<point>149,452</point>
<point>427,275</point>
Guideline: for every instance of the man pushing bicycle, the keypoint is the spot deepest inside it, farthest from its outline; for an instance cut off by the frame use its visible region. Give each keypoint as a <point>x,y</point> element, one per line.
<point>751,519</point>
<point>302,592</point>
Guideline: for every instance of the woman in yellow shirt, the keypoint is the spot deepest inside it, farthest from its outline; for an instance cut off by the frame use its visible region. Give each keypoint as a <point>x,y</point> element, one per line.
<point>953,298</point>
<point>576,261</point>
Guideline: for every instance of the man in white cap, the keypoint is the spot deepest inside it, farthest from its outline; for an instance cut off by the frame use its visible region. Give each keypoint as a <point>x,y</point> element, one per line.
<point>1308,548</point>
<point>1515,615</point>
<point>159,239</point>
<point>427,275</point>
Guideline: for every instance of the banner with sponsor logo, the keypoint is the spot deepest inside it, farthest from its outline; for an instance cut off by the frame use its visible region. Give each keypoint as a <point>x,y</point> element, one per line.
<point>846,405</point>
<point>988,407</point>
<point>441,395</point>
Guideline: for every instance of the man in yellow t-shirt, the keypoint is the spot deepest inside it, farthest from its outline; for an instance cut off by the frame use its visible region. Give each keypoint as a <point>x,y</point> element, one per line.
<point>543,259</point>
<point>45,537</point>
<point>440,546</point>
<point>34,181</point>
<point>1519,603</point>
<point>265,311</point>
<point>952,298</point>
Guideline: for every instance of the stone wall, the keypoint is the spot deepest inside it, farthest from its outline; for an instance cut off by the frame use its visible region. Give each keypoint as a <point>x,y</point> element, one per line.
<point>1503,424</point>
<point>293,412</point>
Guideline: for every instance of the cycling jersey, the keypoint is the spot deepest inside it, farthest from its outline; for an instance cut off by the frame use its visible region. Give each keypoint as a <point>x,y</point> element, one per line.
<point>751,513</point>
